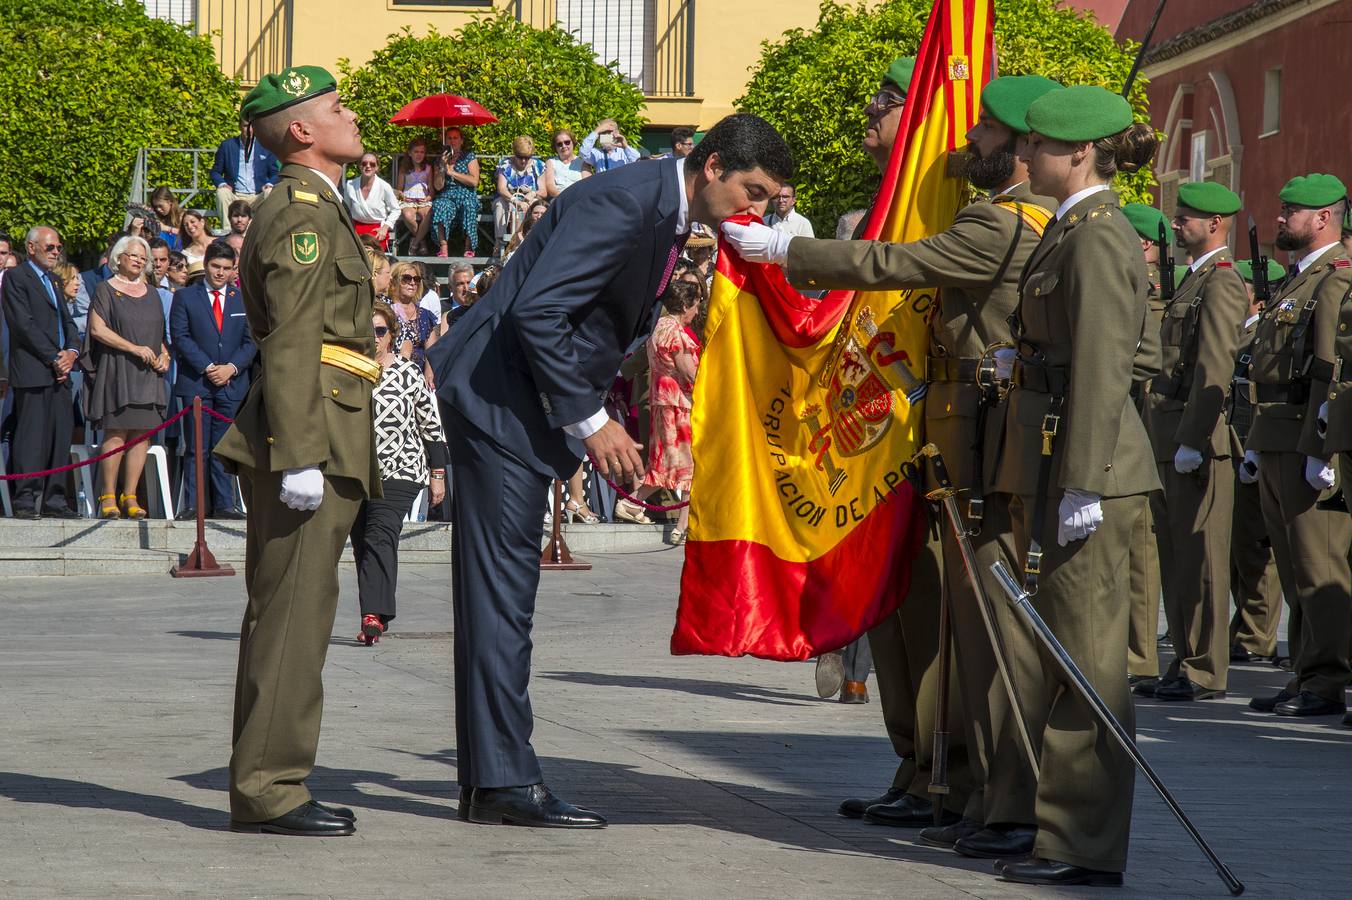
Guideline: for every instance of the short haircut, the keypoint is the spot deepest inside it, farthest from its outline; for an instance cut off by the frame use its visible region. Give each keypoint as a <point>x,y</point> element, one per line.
<point>6,239</point>
<point>744,142</point>
<point>125,243</point>
<point>158,243</point>
<point>462,267</point>
<point>219,250</point>
<point>240,208</point>
<point>524,145</point>
<point>679,296</point>
<point>680,134</point>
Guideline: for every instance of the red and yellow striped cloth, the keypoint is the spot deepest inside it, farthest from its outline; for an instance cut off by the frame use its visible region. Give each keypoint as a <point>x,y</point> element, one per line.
<point>803,526</point>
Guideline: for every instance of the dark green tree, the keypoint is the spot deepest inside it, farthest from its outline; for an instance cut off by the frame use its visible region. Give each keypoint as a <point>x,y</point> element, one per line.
<point>83,86</point>
<point>814,85</point>
<point>534,80</point>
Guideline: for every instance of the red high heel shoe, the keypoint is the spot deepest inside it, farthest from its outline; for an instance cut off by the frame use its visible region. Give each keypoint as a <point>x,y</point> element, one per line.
<point>371,630</point>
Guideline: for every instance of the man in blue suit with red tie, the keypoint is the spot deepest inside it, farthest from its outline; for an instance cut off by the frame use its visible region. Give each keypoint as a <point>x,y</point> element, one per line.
<point>214,348</point>
<point>522,376</point>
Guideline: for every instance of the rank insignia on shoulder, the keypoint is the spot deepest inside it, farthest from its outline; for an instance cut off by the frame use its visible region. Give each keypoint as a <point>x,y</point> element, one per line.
<point>305,247</point>
<point>1342,263</point>
<point>1225,265</point>
<point>305,195</point>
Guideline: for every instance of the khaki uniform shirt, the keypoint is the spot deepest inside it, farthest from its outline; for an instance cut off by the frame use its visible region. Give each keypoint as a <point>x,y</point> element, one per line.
<point>306,283</point>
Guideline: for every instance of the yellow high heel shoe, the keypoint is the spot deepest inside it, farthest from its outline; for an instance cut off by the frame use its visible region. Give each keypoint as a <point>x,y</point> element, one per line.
<point>130,506</point>
<point>108,507</point>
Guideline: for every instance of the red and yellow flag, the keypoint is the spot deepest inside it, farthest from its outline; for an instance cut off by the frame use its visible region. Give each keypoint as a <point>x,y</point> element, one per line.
<point>803,525</point>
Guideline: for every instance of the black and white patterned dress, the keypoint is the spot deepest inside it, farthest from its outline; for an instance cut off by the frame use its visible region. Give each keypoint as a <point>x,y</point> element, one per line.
<point>405,418</point>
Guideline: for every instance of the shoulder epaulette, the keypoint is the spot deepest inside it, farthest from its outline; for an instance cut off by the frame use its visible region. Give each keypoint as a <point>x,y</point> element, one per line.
<point>304,196</point>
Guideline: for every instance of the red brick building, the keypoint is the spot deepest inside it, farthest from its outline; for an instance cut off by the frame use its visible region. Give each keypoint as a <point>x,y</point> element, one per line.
<point>1248,94</point>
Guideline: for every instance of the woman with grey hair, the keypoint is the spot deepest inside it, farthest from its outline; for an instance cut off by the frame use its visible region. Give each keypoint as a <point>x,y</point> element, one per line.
<point>124,360</point>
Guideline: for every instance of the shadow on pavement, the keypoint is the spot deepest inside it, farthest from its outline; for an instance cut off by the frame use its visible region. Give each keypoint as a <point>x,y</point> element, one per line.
<point>696,686</point>
<point>24,788</point>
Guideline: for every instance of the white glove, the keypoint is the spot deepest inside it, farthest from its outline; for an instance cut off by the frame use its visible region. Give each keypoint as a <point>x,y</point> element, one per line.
<point>1004,362</point>
<point>303,489</point>
<point>1248,469</point>
<point>1080,515</point>
<point>1187,460</point>
<point>1318,474</point>
<point>758,243</point>
<point>1321,421</point>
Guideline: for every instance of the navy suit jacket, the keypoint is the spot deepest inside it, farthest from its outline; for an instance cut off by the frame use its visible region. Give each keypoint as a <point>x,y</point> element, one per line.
<point>34,337</point>
<point>224,171</point>
<point>197,344</point>
<point>542,347</point>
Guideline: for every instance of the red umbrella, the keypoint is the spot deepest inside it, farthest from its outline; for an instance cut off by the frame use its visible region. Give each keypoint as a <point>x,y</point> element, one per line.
<point>442,110</point>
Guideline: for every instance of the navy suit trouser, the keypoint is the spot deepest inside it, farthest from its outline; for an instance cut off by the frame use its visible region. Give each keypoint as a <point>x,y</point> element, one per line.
<point>495,571</point>
<point>213,429</point>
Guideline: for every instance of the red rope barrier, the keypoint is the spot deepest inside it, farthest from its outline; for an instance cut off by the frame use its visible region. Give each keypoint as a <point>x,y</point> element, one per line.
<point>102,456</point>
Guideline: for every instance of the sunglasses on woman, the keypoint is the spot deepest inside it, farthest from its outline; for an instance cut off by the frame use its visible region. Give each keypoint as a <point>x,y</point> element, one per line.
<point>382,330</point>
<point>410,279</point>
<point>563,143</point>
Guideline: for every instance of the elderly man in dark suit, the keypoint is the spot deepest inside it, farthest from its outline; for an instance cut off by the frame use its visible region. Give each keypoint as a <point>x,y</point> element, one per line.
<point>43,345</point>
<point>522,376</point>
<point>214,348</point>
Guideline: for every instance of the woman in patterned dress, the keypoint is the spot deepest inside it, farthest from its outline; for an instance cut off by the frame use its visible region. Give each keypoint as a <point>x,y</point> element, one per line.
<point>456,205</point>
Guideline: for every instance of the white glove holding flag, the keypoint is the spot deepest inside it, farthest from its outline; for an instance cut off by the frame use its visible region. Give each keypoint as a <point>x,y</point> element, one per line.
<point>1004,362</point>
<point>1318,474</point>
<point>303,489</point>
<point>1321,421</point>
<point>1187,460</point>
<point>1248,469</point>
<point>1080,513</point>
<point>758,243</point>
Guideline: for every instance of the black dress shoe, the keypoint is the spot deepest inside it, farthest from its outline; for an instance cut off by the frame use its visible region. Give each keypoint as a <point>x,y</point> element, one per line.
<point>533,806</point>
<point>1307,704</point>
<point>341,812</point>
<point>306,820</point>
<point>61,512</point>
<point>1239,654</point>
<point>948,835</point>
<point>462,808</point>
<point>1268,704</point>
<point>233,515</point>
<point>854,807</point>
<point>1049,871</point>
<point>909,811</point>
<point>1143,685</point>
<point>27,512</point>
<point>1004,842</point>
<point>1184,689</point>
<point>1283,662</point>
<point>186,515</point>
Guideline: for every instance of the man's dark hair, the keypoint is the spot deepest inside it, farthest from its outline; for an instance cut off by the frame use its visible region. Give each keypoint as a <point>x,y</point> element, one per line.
<point>177,258</point>
<point>239,208</point>
<point>744,141</point>
<point>680,134</point>
<point>158,243</point>
<point>219,250</point>
<point>6,239</point>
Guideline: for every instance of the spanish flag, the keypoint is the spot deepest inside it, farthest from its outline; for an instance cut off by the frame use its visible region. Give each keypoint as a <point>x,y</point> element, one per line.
<point>807,411</point>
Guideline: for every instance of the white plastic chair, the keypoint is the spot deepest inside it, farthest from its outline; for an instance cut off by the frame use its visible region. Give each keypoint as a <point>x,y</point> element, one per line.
<point>4,490</point>
<point>85,475</point>
<point>418,513</point>
<point>158,495</point>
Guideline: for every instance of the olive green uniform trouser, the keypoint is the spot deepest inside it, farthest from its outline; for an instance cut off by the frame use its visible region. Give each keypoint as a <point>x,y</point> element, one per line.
<point>905,649</point>
<point>1253,576</point>
<point>291,576</point>
<point>1084,796</point>
<point>1195,565</point>
<point>1143,656</point>
<point>1310,546</point>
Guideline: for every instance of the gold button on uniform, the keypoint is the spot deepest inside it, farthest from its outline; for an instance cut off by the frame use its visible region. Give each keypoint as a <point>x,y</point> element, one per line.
<point>334,392</point>
<point>1333,395</point>
<point>1342,326</point>
<point>270,440</point>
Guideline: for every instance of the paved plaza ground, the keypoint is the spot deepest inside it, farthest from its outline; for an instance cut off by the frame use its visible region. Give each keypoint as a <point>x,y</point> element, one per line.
<point>720,777</point>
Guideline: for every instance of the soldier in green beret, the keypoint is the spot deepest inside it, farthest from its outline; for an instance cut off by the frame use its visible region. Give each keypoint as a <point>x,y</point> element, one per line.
<point>302,444</point>
<point>1076,467</point>
<point>1200,339</point>
<point>1292,365</point>
<point>1253,571</point>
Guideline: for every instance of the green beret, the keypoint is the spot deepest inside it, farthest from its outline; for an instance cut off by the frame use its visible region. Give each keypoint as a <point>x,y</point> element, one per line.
<point>1314,190</point>
<point>1146,220</point>
<point>286,88</point>
<point>1245,269</point>
<point>899,73</point>
<point>1007,98</point>
<point>1208,197</point>
<point>1084,112</point>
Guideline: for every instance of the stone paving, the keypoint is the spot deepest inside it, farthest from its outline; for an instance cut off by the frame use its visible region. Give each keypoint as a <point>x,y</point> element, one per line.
<point>720,776</point>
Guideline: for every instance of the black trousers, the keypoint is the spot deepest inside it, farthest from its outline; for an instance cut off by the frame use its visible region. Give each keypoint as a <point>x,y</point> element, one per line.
<point>375,544</point>
<point>495,571</point>
<point>44,419</point>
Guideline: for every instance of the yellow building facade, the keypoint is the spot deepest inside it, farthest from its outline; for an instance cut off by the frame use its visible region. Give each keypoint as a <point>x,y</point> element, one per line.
<point>691,58</point>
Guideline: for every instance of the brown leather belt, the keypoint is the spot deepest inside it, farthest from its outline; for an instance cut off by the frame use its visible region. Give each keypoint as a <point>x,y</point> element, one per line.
<point>952,368</point>
<point>1044,379</point>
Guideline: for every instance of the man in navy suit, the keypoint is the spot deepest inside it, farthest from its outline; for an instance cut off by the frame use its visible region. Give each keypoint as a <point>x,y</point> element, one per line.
<point>522,375</point>
<point>211,340</point>
<point>243,170</point>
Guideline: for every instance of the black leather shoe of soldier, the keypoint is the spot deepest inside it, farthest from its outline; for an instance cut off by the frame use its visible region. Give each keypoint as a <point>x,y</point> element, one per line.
<point>1049,871</point>
<point>1239,654</point>
<point>306,820</point>
<point>854,807</point>
<point>1308,704</point>
<point>462,808</point>
<point>1003,842</point>
<point>1184,689</point>
<point>1143,685</point>
<point>341,812</point>
<point>532,806</point>
<point>948,835</point>
<point>908,812</point>
<point>1268,704</point>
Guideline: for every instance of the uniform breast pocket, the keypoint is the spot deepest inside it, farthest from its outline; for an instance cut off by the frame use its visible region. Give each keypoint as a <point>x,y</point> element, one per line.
<point>1175,325</point>
<point>1041,284</point>
<point>353,269</point>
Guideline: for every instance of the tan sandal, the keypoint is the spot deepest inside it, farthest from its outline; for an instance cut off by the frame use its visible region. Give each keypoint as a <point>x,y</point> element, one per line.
<point>628,511</point>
